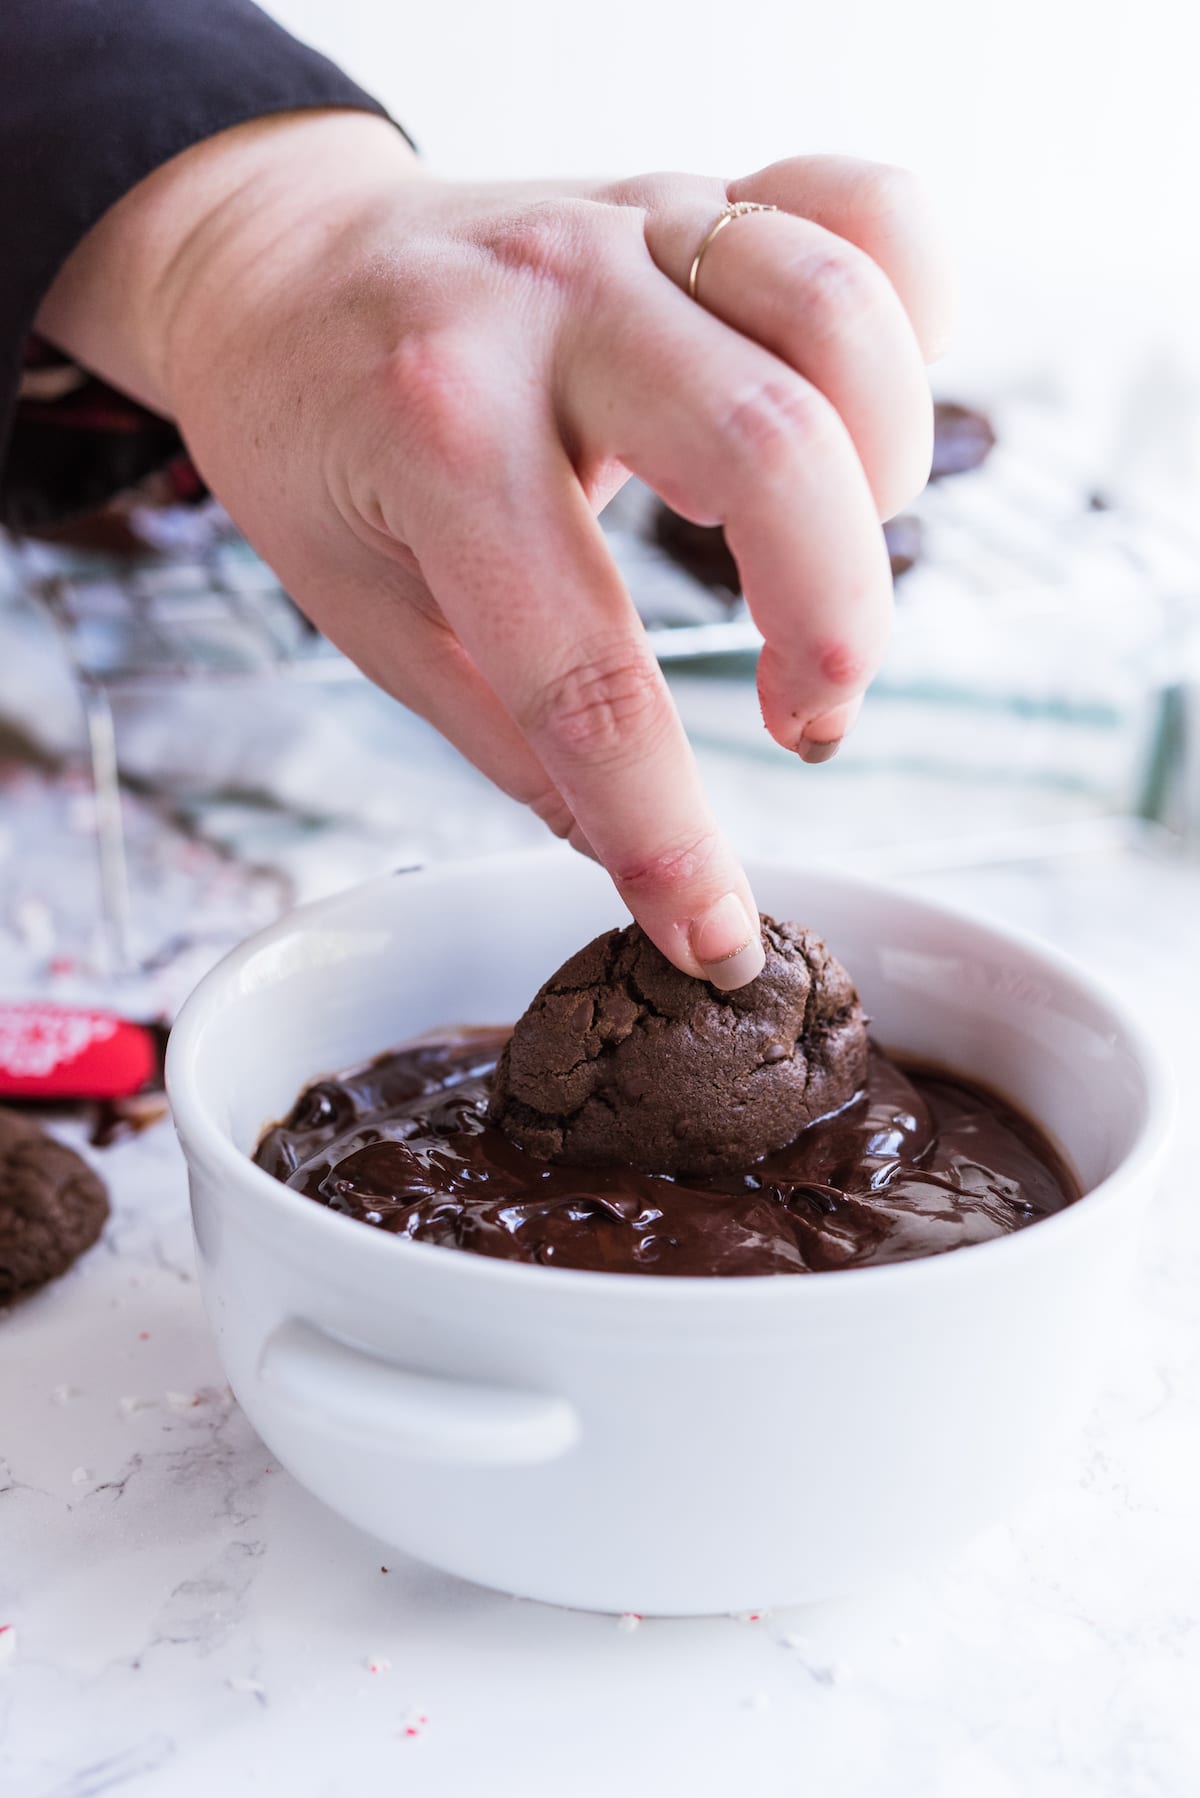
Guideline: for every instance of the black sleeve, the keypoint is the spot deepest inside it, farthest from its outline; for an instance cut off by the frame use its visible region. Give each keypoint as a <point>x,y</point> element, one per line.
<point>94,95</point>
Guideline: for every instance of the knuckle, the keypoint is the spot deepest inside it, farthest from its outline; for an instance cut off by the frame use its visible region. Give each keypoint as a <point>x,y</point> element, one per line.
<point>668,869</point>
<point>601,710</point>
<point>768,426</point>
<point>840,664</point>
<point>436,395</point>
<point>891,194</point>
<point>649,192</point>
<point>552,241</point>
<point>537,240</point>
<point>844,293</point>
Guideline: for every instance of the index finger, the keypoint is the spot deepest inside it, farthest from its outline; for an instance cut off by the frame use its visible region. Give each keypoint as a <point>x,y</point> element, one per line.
<point>547,620</point>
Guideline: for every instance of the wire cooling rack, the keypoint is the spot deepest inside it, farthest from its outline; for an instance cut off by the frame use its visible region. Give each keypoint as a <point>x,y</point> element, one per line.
<point>195,605</point>
<point>218,615</point>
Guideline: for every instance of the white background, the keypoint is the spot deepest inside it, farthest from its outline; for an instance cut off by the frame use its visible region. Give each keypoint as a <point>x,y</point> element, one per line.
<point>1062,139</point>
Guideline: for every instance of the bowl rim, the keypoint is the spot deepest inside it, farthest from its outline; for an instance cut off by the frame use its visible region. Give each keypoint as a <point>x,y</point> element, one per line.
<point>204,1141</point>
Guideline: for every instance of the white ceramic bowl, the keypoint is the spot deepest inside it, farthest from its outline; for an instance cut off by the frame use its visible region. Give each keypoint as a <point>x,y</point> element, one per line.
<point>639,1442</point>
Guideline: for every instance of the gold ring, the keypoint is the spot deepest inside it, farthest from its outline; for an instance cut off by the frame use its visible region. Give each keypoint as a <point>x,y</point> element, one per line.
<point>738,209</point>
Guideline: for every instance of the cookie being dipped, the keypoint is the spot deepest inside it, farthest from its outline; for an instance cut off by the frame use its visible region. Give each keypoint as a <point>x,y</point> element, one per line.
<point>621,1059</point>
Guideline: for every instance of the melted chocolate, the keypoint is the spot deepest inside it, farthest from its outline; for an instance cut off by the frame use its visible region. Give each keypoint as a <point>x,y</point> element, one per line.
<point>916,1164</point>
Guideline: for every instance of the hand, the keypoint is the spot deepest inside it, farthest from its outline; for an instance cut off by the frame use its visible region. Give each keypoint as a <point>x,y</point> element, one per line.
<point>413,397</point>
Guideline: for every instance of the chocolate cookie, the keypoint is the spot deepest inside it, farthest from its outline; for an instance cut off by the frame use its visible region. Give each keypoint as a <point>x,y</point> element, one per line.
<point>962,439</point>
<point>621,1059</point>
<point>702,551</point>
<point>699,549</point>
<point>52,1206</point>
<point>905,540</point>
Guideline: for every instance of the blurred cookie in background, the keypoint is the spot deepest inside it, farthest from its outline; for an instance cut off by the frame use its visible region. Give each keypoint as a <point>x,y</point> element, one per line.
<point>962,440</point>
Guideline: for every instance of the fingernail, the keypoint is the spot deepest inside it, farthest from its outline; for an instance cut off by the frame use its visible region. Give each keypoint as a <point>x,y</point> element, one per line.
<point>727,945</point>
<point>809,751</point>
<point>822,737</point>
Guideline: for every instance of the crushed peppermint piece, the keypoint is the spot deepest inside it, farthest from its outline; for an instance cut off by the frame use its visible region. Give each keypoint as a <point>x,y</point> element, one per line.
<point>8,1643</point>
<point>250,1687</point>
<point>378,1663</point>
<point>143,1335</point>
<point>748,1616</point>
<point>34,924</point>
<point>81,1477</point>
<point>629,1620</point>
<point>62,1395</point>
<point>413,1724</point>
<point>131,1404</point>
<point>190,1401</point>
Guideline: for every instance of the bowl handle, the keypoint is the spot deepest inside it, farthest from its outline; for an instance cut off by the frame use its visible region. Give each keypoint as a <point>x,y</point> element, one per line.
<point>355,1396</point>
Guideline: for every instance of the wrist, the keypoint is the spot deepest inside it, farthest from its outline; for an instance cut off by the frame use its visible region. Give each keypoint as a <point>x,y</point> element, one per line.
<point>225,226</point>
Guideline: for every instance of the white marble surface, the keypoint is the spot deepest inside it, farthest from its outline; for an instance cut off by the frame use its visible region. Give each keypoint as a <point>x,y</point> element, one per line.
<point>183,1618</point>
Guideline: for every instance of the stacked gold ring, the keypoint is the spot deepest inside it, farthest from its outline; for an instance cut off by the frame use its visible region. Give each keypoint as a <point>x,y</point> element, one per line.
<point>736,210</point>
